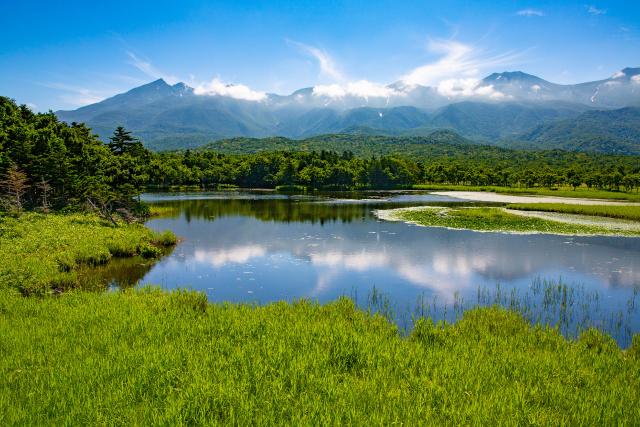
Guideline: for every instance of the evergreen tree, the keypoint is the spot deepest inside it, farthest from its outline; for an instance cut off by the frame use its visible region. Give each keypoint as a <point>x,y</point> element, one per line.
<point>123,142</point>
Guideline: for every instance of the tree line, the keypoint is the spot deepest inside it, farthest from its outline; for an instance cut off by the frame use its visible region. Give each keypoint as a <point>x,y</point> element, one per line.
<point>344,171</point>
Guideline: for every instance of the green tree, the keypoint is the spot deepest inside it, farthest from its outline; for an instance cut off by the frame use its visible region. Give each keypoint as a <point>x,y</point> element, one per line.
<point>122,142</point>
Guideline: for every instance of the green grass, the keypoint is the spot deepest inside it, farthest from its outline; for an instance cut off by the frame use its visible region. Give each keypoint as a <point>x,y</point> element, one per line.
<point>580,192</point>
<point>39,252</point>
<point>620,212</point>
<point>157,358</point>
<point>496,219</point>
<point>164,211</point>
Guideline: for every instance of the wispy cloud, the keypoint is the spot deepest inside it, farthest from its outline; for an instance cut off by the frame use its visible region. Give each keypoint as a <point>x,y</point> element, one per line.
<point>595,10</point>
<point>325,61</point>
<point>341,86</point>
<point>149,69</point>
<point>457,60</point>
<point>78,96</point>
<point>530,12</point>
<point>456,72</point>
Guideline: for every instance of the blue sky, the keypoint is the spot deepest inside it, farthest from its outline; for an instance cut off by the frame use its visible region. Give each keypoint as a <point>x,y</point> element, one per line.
<point>60,55</point>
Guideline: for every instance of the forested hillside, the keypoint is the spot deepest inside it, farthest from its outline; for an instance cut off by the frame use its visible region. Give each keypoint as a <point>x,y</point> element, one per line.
<point>614,131</point>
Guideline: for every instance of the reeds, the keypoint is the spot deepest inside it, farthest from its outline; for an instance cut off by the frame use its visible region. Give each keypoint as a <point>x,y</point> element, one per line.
<point>569,308</point>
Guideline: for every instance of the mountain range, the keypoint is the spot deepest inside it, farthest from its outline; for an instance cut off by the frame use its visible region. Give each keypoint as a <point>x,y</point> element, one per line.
<point>508,108</point>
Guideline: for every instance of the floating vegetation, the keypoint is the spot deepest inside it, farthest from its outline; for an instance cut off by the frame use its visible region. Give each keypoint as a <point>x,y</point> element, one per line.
<point>497,220</point>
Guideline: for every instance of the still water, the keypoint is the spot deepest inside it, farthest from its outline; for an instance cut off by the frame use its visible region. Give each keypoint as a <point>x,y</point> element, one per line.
<point>263,247</point>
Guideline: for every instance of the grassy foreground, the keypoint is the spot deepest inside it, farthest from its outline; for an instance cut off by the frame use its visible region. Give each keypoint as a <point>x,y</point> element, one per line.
<point>580,192</point>
<point>153,357</point>
<point>494,219</point>
<point>620,212</point>
<point>39,252</point>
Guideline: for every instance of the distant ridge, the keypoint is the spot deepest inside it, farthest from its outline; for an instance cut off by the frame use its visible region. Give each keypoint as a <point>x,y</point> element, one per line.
<point>501,106</point>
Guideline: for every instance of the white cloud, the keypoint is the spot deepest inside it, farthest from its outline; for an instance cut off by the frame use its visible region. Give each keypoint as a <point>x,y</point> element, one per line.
<point>457,60</point>
<point>361,88</point>
<point>237,91</point>
<point>530,12</point>
<point>214,87</point>
<point>595,11</point>
<point>453,88</point>
<point>325,61</point>
<point>617,75</point>
<point>536,88</point>
<point>147,68</point>
<point>332,91</point>
<point>636,78</point>
<point>355,261</point>
<point>237,255</point>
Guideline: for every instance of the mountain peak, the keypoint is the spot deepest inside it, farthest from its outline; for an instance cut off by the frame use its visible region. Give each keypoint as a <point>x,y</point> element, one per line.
<point>160,82</point>
<point>507,76</point>
<point>629,72</point>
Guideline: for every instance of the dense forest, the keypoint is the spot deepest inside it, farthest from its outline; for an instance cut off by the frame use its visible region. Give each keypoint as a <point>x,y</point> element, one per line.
<point>48,164</point>
<point>345,170</point>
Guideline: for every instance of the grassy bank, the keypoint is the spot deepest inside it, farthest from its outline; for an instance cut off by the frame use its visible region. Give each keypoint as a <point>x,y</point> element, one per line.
<point>39,252</point>
<point>151,357</point>
<point>494,219</point>
<point>620,212</point>
<point>581,192</point>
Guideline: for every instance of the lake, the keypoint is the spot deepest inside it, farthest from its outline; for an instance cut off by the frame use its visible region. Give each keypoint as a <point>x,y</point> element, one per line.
<point>261,247</point>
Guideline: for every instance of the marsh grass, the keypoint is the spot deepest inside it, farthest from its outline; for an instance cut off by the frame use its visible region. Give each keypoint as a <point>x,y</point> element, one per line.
<point>497,219</point>
<point>580,192</point>
<point>620,212</point>
<point>164,210</point>
<point>569,308</point>
<point>150,357</point>
<point>40,253</point>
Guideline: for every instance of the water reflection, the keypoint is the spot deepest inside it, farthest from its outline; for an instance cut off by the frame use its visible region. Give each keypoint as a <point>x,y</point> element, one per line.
<point>267,247</point>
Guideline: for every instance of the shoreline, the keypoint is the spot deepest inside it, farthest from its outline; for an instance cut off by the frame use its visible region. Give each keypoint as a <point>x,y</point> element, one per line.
<point>483,196</point>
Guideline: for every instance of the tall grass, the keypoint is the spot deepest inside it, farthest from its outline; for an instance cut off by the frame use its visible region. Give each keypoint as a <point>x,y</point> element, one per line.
<point>621,212</point>
<point>40,253</point>
<point>157,358</point>
<point>570,308</point>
